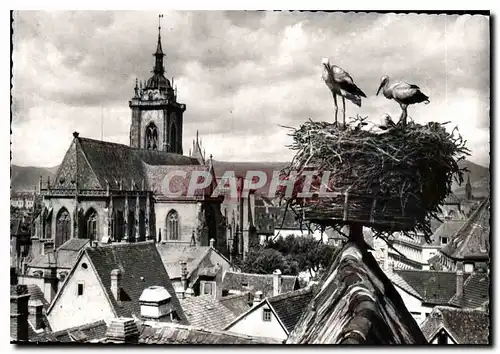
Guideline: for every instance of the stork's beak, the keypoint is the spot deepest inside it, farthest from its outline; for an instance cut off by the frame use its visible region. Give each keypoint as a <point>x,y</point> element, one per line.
<point>380,87</point>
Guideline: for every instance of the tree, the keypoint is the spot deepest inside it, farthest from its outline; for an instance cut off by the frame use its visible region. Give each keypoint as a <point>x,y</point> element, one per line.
<point>263,260</point>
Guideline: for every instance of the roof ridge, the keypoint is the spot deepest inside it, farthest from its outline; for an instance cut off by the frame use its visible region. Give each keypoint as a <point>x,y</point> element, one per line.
<point>264,275</point>
<point>84,326</point>
<point>122,244</point>
<point>459,309</point>
<point>290,294</point>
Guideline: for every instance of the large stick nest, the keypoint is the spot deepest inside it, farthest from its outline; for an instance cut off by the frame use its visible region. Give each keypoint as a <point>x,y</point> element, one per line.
<point>390,178</point>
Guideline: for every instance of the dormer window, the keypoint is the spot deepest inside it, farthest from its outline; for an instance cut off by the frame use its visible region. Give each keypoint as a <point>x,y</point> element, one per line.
<point>444,240</point>
<point>207,287</point>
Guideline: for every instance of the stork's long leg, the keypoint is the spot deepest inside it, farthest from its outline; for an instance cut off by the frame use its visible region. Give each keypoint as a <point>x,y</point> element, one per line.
<point>404,114</point>
<point>335,107</point>
<point>343,111</point>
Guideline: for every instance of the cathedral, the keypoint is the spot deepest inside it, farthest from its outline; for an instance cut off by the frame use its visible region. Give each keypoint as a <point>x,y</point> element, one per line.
<point>108,192</point>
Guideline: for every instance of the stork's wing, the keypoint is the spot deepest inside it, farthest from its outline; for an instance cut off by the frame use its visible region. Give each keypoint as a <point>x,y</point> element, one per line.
<point>345,81</point>
<point>404,90</point>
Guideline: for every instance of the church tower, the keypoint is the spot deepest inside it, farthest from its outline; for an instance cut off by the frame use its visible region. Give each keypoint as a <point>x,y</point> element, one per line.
<point>468,189</point>
<point>156,114</point>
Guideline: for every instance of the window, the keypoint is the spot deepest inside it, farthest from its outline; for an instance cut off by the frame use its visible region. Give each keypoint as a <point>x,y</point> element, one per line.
<point>80,289</point>
<point>173,225</point>
<point>90,225</point>
<point>444,240</point>
<point>208,287</point>
<point>442,338</point>
<point>151,137</point>
<point>266,315</point>
<point>63,227</point>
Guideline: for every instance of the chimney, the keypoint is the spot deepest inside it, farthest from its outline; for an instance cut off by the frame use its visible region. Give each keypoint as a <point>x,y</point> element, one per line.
<point>19,298</point>
<point>276,282</point>
<point>212,242</point>
<point>184,274</point>
<point>189,292</point>
<point>155,303</point>
<point>51,282</point>
<point>180,292</point>
<point>35,309</point>
<point>460,280</point>
<point>122,330</point>
<point>257,297</point>
<point>116,280</point>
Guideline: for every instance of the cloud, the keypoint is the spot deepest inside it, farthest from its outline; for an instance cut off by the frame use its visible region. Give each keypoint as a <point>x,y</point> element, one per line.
<point>241,74</point>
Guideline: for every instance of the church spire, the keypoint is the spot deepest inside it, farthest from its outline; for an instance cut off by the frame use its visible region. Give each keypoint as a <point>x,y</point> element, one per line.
<point>159,52</point>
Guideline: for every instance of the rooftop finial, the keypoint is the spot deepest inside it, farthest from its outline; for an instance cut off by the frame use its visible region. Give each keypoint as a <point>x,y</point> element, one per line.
<point>160,16</point>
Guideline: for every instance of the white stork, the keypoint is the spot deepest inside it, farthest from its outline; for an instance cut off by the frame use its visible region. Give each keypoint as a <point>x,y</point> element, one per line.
<point>341,83</point>
<point>403,93</point>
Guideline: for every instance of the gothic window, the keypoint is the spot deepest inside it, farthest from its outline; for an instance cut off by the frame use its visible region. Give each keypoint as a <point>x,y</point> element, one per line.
<point>173,225</point>
<point>118,226</point>
<point>142,225</point>
<point>173,136</point>
<point>47,224</point>
<point>131,225</point>
<point>63,227</point>
<point>90,225</point>
<point>151,137</point>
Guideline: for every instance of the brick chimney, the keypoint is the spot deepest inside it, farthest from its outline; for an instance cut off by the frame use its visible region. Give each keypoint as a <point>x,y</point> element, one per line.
<point>155,303</point>
<point>257,297</point>
<point>35,309</point>
<point>184,275</point>
<point>19,298</point>
<point>212,243</point>
<point>122,330</point>
<point>276,282</point>
<point>116,283</point>
<point>460,280</point>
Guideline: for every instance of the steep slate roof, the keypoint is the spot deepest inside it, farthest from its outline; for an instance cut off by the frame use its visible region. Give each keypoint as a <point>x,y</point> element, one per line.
<point>136,261</point>
<point>172,256</point>
<point>257,282</point>
<point>476,291</point>
<point>434,287</point>
<point>205,311</point>
<point>472,241</point>
<point>170,333</point>
<point>64,257</point>
<point>290,306</point>
<point>85,333</point>
<point>241,168</point>
<point>356,304</point>
<point>92,163</point>
<point>465,326</point>
<point>238,303</point>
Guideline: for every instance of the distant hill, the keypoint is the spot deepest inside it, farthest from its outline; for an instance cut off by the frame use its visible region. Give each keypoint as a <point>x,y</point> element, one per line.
<point>479,179</point>
<point>26,178</point>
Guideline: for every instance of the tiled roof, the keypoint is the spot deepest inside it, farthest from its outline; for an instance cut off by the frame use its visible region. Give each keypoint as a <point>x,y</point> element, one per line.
<point>466,326</point>
<point>446,229</point>
<point>172,255</point>
<point>356,304</point>
<point>434,287</point>
<point>290,306</point>
<point>178,184</point>
<point>240,170</point>
<point>451,199</point>
<point>141,267</point>
<point>472,241</point>
<point>397,280</point>
<point>205,311</point>
<point>238,303</point>
<point>84,333</point>
<point>98,162</point>
<point>245,282</point>
<point>476,291</point>
<point>64,257</point>
<point>169,333</point>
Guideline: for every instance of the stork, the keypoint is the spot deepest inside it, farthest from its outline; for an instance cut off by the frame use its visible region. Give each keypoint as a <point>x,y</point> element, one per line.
<point>403,93</point>
<point>341,84</point>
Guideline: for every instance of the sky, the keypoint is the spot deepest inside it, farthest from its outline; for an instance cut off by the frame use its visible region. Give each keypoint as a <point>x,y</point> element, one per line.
<point>242,75</point>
